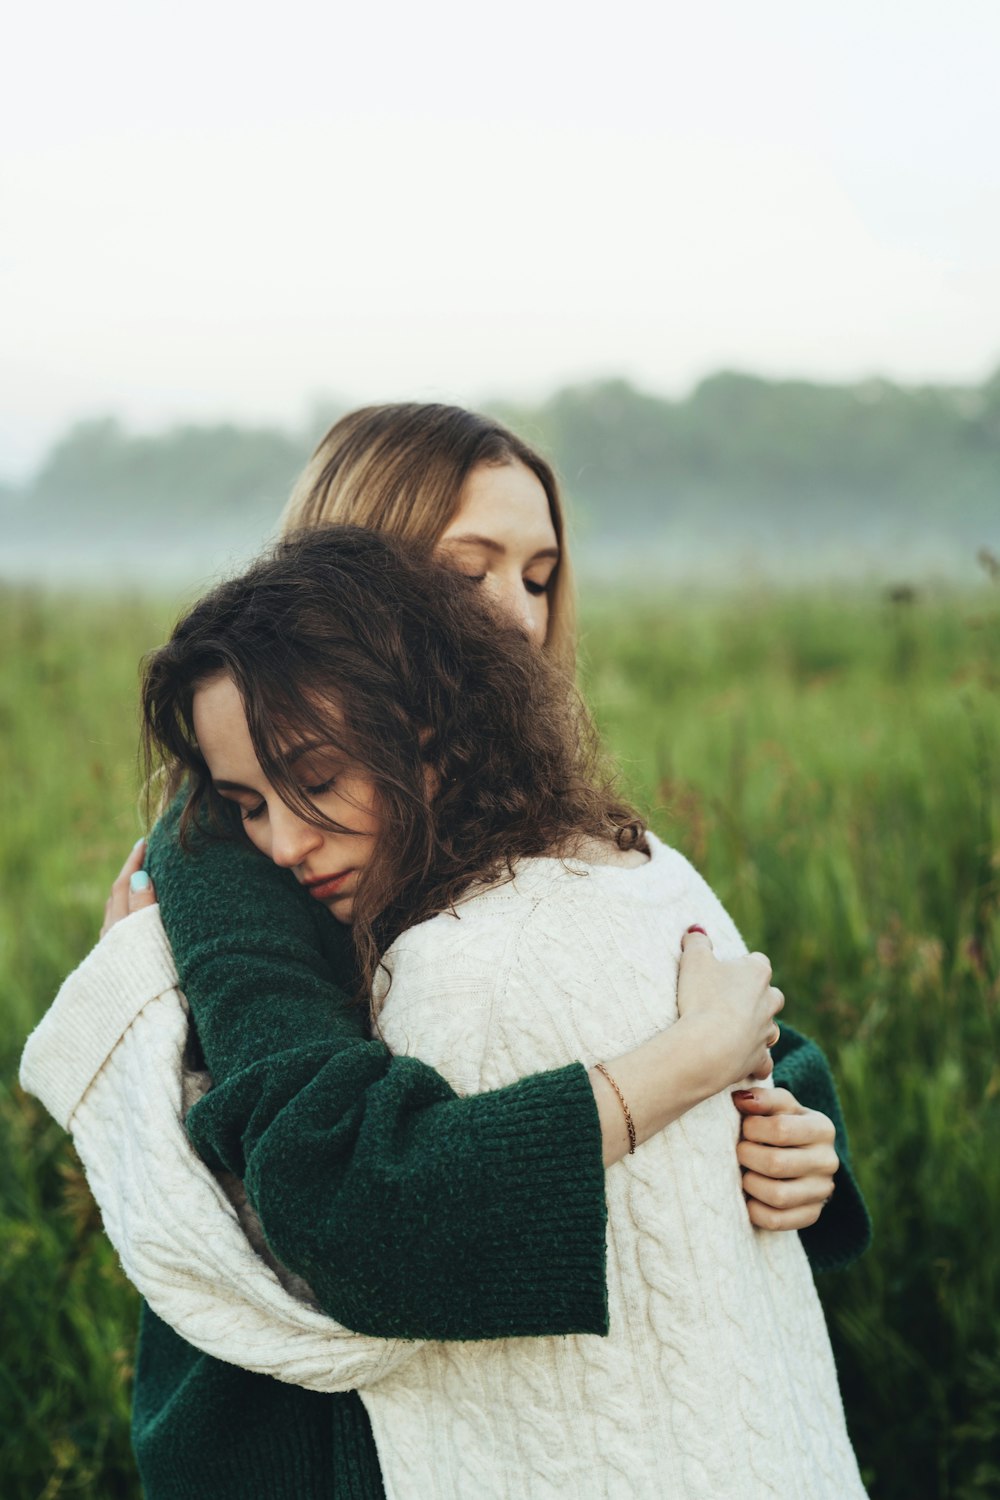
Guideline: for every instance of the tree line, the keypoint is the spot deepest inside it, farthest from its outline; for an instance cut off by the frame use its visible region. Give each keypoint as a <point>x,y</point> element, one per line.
<point>743,459</point>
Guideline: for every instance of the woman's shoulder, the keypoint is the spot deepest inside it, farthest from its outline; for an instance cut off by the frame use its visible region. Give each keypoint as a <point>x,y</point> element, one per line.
<point>539,887</point>
<point>554,918</point>
<point>665,892</point>
<point>580,876</point>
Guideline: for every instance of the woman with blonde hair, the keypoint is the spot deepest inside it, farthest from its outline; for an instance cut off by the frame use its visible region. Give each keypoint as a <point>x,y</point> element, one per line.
<point>413,471</point>
<point>358,1153</point>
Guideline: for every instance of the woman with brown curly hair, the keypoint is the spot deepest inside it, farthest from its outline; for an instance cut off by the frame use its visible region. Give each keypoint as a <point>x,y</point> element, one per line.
<point>394,1145</point>
<point>366,722</point>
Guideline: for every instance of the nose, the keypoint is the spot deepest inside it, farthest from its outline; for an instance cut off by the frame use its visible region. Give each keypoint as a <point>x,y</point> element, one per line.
<point>292,838</point>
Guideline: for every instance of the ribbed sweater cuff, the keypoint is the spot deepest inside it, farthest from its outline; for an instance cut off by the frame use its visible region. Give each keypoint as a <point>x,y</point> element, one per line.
<point>518,1247</point>
<point>559,1284</point>
<point>843,1230</point>
<point>274,1462</point>
<point>94,1008</point>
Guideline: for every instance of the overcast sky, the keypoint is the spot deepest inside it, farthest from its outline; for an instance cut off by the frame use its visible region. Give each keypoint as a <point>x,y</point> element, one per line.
<point>220,210</point>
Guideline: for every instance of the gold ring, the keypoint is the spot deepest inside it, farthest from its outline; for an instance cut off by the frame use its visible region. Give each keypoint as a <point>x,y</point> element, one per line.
<point>774,1040</point>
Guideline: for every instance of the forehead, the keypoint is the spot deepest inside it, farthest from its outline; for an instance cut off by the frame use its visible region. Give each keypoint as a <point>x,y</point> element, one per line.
<point>223,734</point>
<point>220,725</point>
<point>508,504</point>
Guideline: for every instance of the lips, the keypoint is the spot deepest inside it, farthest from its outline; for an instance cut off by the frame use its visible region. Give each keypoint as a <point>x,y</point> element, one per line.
<point>326,886</point>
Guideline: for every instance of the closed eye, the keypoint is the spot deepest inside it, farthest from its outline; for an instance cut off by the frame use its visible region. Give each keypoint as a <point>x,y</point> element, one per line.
<point>530,584</point>
<point>249,814</point>
<point>322,789</point>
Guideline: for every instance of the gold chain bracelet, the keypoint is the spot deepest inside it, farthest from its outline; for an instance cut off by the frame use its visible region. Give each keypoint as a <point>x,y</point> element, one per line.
<point>630,1126</point>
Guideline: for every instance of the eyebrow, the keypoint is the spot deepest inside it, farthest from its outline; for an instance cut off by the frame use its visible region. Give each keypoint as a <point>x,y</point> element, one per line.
<point>296,754</point>
<point>491,546</point>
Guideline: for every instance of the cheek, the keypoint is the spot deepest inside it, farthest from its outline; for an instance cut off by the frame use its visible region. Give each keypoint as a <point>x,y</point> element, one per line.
<point>371,827</point>
<point>356,808</point>
<point>528,611</point>
<point>537,619</point>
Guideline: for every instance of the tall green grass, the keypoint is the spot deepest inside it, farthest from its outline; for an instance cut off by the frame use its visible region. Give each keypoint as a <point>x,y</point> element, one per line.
<point>68,691</point>
<point>833,767</point>
<point>830,762</point>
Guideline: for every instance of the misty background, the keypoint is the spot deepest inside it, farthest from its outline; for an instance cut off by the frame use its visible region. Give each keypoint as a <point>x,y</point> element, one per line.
<point>787,481</point>
<point>737,270</point>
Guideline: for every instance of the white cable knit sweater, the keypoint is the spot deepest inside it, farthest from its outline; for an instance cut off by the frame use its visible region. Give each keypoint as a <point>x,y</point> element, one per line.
<point>716,1379</point>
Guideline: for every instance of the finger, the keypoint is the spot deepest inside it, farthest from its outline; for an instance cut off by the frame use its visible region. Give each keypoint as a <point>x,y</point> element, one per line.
<point>800,1161</point>
<point>767,1102</point>
<point>777,1000</point>
<point>136,855</point>
<point>799,1193</point>
<point>807,1129</point>
<point>762,1216</point>
<point>117,905</point>
<point>696,940</point>
<point>763,963</point>
<point>112,913</point>
<point>119,888</point>
<point>141,892</point>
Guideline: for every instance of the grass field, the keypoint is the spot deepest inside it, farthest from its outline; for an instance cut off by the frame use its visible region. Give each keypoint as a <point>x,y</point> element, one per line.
<point>832,764</point>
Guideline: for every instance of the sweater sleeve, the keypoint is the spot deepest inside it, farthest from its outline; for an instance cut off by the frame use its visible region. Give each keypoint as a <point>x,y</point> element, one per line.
<point>843,1230</point>
<point>372,1175</point>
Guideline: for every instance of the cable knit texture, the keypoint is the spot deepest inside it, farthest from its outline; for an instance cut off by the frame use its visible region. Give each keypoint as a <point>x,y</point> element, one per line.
<point>491,1206</point>
<point>94,1010</point>
<point>716,1377</point>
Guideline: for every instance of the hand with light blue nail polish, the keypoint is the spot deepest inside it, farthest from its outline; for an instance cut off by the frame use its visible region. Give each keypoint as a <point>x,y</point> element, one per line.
<point>132,891</point>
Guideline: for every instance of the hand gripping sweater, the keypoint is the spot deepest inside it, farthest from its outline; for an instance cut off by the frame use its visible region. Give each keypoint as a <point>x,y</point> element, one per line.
<point>716,1376</point>
<point>693,1289</point>
<point>200,1423</point>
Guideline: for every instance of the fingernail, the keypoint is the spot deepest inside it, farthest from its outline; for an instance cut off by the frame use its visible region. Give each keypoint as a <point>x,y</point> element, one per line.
<point>140,881</point>
<point>743,1093</point>
<point>138,843</point>
<point>696,928</point>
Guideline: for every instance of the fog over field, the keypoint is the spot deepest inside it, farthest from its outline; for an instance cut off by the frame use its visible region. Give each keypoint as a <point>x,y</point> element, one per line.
<point>743,479</point>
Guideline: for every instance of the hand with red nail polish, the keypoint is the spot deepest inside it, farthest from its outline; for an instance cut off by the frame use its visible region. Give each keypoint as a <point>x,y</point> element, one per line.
<point>731,1004</point>
<point>788,1157</point>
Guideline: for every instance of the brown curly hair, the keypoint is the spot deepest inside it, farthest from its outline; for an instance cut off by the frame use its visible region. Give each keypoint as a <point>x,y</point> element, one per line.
<point>339,636</point>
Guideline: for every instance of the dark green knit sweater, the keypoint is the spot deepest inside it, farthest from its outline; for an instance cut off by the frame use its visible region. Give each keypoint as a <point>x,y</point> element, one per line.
<point>412,1212</point>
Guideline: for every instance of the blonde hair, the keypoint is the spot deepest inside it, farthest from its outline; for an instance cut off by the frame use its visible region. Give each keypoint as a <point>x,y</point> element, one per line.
<point>400,469</point>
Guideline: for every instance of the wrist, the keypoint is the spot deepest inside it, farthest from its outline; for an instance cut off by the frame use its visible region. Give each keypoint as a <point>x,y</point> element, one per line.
<point>708,1069</point>
<point>685,1066</point>
<point>661,1080</point>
